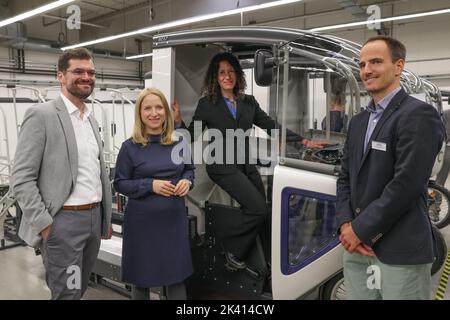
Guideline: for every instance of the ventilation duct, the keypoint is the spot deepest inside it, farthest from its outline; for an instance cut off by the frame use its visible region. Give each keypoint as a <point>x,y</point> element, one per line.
<point>353,7</point>
<point>13,33</point>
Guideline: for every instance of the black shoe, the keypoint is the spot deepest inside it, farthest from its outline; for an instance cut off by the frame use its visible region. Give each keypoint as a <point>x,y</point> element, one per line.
<point>233,263</point>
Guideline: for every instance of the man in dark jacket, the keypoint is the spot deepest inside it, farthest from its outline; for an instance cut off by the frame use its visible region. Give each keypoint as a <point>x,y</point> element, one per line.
<point>388,157</point>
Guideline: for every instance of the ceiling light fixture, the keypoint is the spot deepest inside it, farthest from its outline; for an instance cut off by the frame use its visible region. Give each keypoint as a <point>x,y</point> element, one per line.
<point>183,22</point>
<point>139,56</point>
<point>34,12</point>
<point>360,23</point>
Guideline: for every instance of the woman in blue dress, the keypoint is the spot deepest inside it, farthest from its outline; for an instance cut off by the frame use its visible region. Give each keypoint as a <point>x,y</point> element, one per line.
<point>151,172</point>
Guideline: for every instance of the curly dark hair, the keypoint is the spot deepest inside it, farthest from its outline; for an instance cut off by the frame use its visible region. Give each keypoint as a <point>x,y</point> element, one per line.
<point>211,88</point>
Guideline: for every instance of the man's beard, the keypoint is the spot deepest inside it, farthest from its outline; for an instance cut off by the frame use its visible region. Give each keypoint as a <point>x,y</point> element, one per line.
<point>77,92</point>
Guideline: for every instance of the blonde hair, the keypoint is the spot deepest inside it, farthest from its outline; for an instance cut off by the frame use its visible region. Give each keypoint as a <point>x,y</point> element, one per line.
<point>338,99</point>
<point>139,134</point>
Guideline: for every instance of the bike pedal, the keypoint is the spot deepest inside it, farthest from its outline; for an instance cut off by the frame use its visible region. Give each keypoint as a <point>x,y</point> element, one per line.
<point>230,268</point>
<point>254,273</point>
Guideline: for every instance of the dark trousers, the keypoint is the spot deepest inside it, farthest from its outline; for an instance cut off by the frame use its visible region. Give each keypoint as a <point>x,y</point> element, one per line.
<point>247,188</point>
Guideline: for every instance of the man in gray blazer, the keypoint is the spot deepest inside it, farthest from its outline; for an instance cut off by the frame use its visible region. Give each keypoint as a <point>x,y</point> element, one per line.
<point>60,181</point>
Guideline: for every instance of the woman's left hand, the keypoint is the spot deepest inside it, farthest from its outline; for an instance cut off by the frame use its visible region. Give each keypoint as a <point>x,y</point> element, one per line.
<point>315,144</point>
<point>182,188</point>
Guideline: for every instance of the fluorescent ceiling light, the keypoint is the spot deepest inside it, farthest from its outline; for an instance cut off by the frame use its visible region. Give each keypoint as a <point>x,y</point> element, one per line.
<point>313,69</point>
<point>34,12</point>
<point>408,16</point>
<point>139,56</point>
<point>183,22</point>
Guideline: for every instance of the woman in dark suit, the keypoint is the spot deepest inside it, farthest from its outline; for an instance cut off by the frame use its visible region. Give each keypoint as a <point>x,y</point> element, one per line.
<point>224,106</point>
<point>156,250</point>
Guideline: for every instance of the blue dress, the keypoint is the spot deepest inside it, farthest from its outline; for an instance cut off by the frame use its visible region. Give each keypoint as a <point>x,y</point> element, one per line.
<point>156,249</point>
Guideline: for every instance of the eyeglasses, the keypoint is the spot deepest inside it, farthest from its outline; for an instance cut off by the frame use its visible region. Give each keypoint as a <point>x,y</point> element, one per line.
<point>81,72</point>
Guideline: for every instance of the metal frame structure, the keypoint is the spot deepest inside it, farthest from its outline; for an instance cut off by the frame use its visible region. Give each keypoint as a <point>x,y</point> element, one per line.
<point>10,220</point>
<point>10,213</point>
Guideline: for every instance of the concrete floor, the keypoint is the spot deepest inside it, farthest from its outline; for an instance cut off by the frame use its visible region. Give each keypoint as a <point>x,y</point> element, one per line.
<point>22,278</point>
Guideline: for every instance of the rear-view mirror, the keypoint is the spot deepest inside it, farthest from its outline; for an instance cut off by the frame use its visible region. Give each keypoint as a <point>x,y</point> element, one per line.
<point>264,67</point>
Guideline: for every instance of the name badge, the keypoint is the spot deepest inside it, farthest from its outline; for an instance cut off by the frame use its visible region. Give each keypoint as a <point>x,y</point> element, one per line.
<point>381,146</point>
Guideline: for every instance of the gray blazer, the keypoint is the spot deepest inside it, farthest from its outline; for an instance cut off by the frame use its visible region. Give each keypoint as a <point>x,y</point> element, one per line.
<point>46,167</point>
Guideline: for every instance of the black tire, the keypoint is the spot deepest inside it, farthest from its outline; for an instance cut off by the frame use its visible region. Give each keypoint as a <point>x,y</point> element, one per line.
<point>438,205</point>
<point>334,289</point>
<point>441,253</point>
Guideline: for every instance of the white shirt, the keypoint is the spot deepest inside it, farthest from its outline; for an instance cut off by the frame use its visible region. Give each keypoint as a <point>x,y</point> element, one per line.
<point>88,188</point>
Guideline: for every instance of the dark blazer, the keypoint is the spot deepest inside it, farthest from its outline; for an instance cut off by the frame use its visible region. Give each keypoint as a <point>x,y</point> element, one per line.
<point>218,116</point>
<point>384,193</point>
